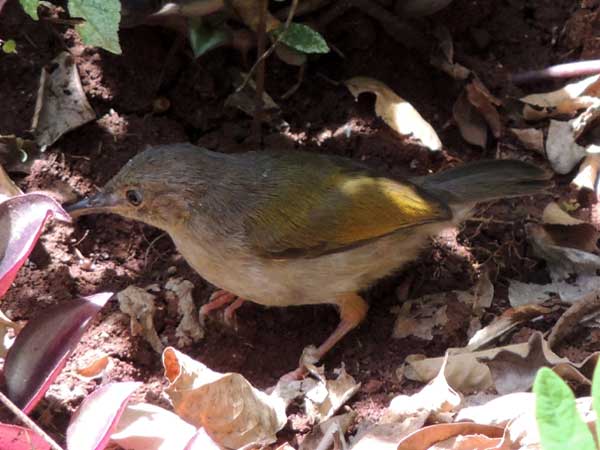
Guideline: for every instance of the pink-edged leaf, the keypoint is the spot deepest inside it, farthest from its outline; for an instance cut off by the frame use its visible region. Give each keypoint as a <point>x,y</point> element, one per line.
<point>41,349</point>
<point>13,437</point>
<point>22,220</point>
<point>97,416</point>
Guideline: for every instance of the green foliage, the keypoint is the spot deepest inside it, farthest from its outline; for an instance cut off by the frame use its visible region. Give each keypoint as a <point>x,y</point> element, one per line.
<point>302,38</point>
<point>101,27</point>
<point>559,423</point>
<point>204,37</point>
<point>30,7</point>
<point>9,46</point>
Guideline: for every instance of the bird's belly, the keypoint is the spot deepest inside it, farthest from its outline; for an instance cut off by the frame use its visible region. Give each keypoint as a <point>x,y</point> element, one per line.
<point>300,281</point>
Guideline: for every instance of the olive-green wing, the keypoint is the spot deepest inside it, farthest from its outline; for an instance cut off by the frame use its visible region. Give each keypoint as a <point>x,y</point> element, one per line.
<point>328,209</point>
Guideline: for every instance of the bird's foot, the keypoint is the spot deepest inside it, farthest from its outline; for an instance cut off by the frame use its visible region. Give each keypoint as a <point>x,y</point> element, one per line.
<point>217,300</point>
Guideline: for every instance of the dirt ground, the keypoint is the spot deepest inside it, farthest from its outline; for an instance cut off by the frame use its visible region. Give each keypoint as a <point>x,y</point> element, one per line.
<point>492,37</point>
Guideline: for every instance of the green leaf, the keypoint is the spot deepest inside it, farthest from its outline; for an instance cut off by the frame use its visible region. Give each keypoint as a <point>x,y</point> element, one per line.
<point>558,420</point>
<point>302,38</point>
<point>30,7</point>
<point>204,38</point>
<point>596,396</point>
<point>101,27</point>
<point>9,46</point>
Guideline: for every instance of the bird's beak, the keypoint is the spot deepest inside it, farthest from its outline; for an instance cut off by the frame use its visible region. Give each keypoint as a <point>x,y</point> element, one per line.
<point>98,203</point>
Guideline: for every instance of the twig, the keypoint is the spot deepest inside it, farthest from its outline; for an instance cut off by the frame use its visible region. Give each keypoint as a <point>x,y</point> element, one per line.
<point>568,70</point>
<point>260,72</point>
<point>273,46</point>
<point>27,421</point>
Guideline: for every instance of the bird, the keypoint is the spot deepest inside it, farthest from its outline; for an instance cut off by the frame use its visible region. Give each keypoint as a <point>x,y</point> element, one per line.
<point>282,228</point>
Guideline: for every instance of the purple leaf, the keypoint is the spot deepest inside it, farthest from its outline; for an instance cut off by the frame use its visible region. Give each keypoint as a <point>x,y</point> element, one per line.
<point>13,437</point>
<point>41,349</point>
<point>22,219</point>
<point>97,416</point>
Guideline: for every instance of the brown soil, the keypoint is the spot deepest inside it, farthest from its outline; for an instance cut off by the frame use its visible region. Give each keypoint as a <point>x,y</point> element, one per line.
<point>492,37</point>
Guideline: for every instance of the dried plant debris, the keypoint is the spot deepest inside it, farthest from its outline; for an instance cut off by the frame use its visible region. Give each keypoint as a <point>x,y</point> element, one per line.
<point>226,405</point>
<point>562,151</point>
<point>61,104</point>
<point>396,112</point>
<point>138,304</point>
<point>189,330</point>
<point>471,124</point>
<point>468,372</point>
<point>324,397</point>
<point>443,56</point>
<point>530,138</point>
<point>565,101</point>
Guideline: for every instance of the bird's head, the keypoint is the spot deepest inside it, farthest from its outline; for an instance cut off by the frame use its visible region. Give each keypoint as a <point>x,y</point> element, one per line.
<point>159,186</point>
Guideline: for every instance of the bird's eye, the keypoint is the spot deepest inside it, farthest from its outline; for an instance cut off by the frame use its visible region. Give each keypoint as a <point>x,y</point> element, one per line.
<point>134,197</point>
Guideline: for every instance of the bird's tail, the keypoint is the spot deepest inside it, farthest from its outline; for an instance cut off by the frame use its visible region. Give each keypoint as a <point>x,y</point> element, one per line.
<point>486,180</point>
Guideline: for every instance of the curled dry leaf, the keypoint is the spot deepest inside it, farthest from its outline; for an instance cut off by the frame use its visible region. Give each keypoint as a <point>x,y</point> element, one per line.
<point>41,349</point>
<point>435,399</point>
<point>573,317</point>
<point>483,100</point>
<point>531,138</point>
<point>230,409</point>
<point>385,436</point>
<point>139,305</point>
<point>61,104</point>
<point>426,437</point>
<point>189,330</point>
<point>567,100</point>
<point>443,56</point>
<point>144,426</point>
<point>324,397</point>
<point>22,219</point>
<point>515,372</point>
<point>97,416</point>
<point>587,176</point>
<point>396,112</point>
<point>586,121</point>
<point>471,124</point>
<point>421,322</point>
<point>508,320</point>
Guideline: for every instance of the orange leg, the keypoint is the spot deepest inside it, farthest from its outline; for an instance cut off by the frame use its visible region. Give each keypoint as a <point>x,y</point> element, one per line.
<point>229,313</point>
<point>353,310</point>
<point>217,300</point>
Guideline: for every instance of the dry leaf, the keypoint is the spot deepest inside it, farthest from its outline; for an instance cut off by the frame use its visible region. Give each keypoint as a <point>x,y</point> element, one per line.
<point>230,409</point>
<point>189,330</point>
<point>322,436</point>
<point>61,104</point>
<point>471,125</point>
<point>570,321</point>
<point>396,112</point>
<point>467,442</point>
<point>479,296</point>
<point>144,426</point>
<point>587,176</point>
<point>443,55</point>
<point>515,372</point>
<point>520,293</point>
<point>422,322</point>
<point>434,399</point>
<point>324,397</point>
<point>482,99</point>
<point>139,305</point>
<point>566,100</point>
<point>498,411</point>
<point>508,320</point>
<point>531,138</point>
<point>385,436</point>
<point>8,188</point>
<point>424,438</point>
<point>554,214</point>
<point>586,121</point>
<point>562,151</point>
